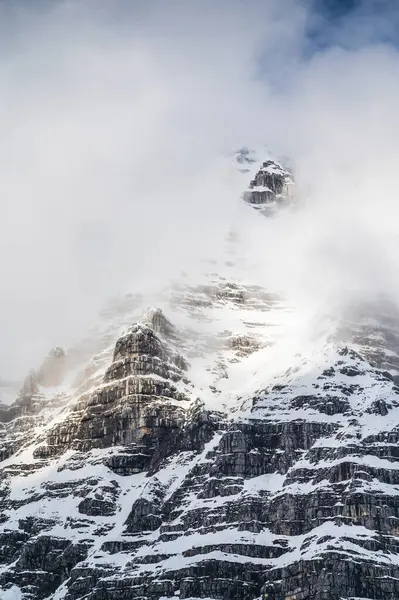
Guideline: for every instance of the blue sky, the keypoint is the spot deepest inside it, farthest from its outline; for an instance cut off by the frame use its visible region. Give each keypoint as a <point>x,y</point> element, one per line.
<point>353,23</point>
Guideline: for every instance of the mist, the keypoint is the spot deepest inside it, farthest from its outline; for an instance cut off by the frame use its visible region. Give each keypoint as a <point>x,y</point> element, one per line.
<point>116,121</point>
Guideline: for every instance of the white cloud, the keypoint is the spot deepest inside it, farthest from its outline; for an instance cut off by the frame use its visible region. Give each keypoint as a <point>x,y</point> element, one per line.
<point>114,118</point>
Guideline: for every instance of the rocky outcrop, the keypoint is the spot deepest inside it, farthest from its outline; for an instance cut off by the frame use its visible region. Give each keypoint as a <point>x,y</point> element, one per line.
<point>271,186</point>
<point>28,403</point>
<point>19,419</point>
<point>42,565</point>
<point>141,401</point>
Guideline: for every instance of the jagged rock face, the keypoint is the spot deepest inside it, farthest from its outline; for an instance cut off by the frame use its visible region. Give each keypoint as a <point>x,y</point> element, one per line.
<point>18,419</point>
<point>271,186</point>
<point>183,464</point>
<point>297,496</point>
<point>28,402</point>
<point>139,400</point>
<point>279,504</point>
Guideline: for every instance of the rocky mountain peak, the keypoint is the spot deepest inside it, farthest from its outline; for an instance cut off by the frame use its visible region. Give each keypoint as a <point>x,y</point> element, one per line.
<point>271,186</point>
<point>199,454</point>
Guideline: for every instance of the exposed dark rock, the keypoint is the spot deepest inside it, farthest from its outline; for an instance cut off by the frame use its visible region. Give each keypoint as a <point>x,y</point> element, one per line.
<point>95,507</point>
<point>131,406</point>
<point>144,516</point>
<point>43,564</point>
<point>272,185</point>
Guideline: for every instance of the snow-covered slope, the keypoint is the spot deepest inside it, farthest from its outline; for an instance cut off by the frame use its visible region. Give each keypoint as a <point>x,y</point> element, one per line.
<point>207,447</point>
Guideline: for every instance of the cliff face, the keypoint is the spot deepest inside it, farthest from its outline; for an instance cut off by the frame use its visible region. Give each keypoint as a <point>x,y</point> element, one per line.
<point>272,185</point>
<point>199,455</point>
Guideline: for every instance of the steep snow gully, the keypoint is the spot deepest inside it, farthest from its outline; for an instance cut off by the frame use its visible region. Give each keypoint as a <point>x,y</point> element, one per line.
<point>199,449</point>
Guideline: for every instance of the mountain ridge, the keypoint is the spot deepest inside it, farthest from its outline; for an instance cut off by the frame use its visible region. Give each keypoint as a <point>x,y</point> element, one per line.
<point>207,448</point>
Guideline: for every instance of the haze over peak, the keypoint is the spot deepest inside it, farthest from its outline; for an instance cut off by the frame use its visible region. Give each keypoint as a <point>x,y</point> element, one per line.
<point>116,121</point>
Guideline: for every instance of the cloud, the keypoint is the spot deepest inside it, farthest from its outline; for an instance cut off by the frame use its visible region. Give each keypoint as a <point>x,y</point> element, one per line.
<point>340,128</point>
<point>115,119</point>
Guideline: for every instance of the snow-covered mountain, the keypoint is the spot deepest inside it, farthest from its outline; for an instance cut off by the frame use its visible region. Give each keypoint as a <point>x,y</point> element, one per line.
<point>204,447</point>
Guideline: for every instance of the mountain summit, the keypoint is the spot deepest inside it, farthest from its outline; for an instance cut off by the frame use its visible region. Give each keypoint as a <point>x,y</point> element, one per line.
<point>194,449</point>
